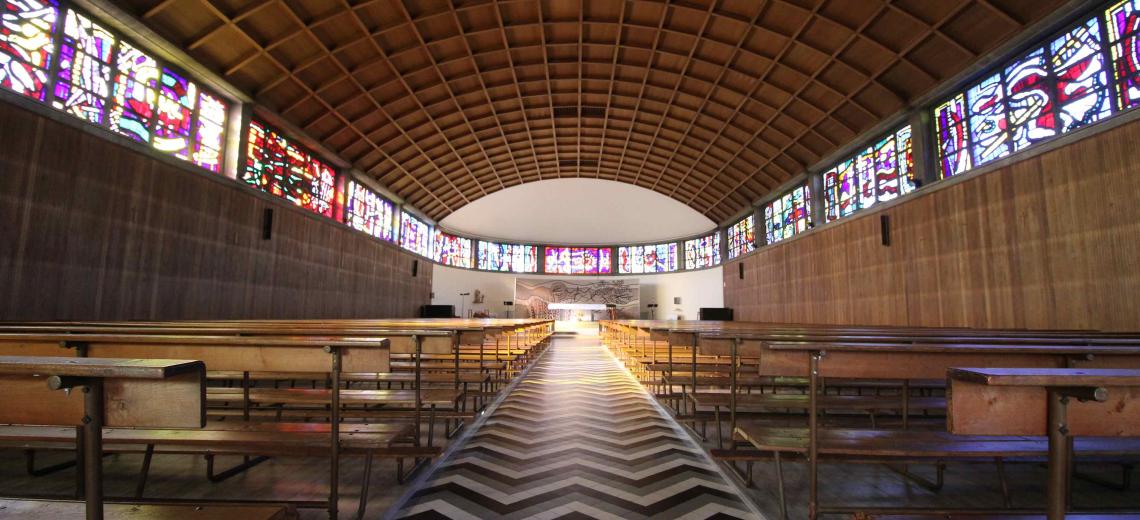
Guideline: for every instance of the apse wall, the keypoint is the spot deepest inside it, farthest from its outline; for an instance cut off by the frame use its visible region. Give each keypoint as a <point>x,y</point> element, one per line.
<point>1045,241</point>
<point>94,229</point>
<point>695,288</point>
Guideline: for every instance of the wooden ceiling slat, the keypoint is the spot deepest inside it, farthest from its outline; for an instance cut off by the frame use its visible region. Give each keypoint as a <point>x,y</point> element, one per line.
<point>712,103</point>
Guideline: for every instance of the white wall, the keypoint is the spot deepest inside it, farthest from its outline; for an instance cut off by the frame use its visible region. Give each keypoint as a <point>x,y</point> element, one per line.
<point>577,211</point>
<point>696,289</point>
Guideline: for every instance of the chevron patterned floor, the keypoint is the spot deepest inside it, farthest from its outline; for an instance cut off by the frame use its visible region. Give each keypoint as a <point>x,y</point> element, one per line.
<point>578,438</point>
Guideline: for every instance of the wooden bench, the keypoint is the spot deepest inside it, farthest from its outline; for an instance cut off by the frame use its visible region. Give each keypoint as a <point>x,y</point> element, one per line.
<point>906,446</point>
<point>72,510</point>
<point>1059,403</point>
<point>114,392</point>
<point>317,354</point>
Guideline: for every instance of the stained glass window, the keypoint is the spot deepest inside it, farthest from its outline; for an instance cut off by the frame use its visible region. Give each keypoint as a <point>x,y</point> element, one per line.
<point>788,215</point>
<point>702,252</point>
<point>1123,22</point>
<point>450,250</point>
<point>881,172</point>
<point>281,168</point>
<point>1077,59</point>
<point>26,31</point>
<point>368,212</point>
<point>414,234</point>
<point>865,171</point>
<point>1028,92</point>
<point>83,80</point>
<point>1050,90</point>
<point>209,132</point>
<point>515,258</point>
<point>577,260</point>
<point>742,237</point>
<point>950,132</point>
<point>988,124</point>
<point>905,158</point>
<point>657,258</point>
<point>144,100</point>
<point>177,97</point>
<point>135,93</point>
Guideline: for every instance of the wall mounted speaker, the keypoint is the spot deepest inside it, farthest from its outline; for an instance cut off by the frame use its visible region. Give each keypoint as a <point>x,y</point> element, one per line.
<point>415,268</point>
<point>885,229</point>
<point>267,224</point>
<point>741,266</point>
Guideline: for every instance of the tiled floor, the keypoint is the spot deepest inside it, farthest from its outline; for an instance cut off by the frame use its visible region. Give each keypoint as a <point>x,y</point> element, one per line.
<point>578,438</point>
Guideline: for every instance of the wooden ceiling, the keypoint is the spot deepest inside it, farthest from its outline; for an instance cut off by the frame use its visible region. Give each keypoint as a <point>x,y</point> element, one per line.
<point>713,103</point>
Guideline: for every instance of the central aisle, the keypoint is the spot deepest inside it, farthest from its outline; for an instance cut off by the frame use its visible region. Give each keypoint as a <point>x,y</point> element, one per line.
<point>579,438</point>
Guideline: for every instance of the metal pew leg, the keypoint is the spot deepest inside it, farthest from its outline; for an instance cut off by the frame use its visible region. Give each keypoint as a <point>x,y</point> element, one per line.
<point>1125,479</point>
<point>145,471</point>
<point>30,457</point>
<point>218,477</point>
<point>1006,500</point>
<point>364,486</point>
<point>935,486</point>
<point>780,487</point>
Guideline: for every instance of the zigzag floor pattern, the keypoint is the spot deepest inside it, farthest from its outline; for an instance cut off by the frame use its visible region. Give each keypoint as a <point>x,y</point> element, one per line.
<point>577,438</point>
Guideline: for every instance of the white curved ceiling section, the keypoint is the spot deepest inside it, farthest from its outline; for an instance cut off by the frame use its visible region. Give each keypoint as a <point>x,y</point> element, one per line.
<point>577,211</point>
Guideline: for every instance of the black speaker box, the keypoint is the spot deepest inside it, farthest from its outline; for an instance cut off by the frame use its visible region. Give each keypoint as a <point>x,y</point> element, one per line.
<point>716,313</point>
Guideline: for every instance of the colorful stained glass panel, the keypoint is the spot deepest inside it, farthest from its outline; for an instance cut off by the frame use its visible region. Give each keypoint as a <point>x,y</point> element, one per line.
<point>989,135</point>
<point>368,212</point>
<point>26,31</point>
<point>176,99</point>
<point>450,250</point>
<point>742,237</point>
<point>83,81</point>
<point>1028,92</point>
<point>950,131</point>
<point>702,252</point>
<point>1083,94</point>
<point>281,168</point>
<point>136,93</point>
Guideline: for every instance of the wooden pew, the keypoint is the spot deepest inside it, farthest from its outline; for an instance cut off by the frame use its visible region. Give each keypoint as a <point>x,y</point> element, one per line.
<point>1058,403</point>
<point>318,354</point>
<point>898,361</point>
<point>71,510</point>
<point>114,393</point>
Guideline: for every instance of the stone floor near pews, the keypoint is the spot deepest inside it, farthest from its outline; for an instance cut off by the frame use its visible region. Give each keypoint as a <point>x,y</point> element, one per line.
<point>577,438</point>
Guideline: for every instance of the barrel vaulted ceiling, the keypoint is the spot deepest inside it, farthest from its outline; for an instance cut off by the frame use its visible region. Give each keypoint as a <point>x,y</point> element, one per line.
<point>712,102</point>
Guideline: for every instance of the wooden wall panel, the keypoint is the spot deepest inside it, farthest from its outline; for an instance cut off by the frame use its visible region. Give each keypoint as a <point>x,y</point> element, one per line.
<point>1048,242</point>
<point>96,230</point>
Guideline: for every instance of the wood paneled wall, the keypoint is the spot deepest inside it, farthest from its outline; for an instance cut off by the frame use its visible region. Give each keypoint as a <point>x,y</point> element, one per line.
<point>90,229</point>
<point>1052,241</point>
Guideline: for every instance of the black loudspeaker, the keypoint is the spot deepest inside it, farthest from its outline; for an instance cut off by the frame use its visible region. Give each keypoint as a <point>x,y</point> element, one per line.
<point>716,313</point>
<point>437,311</point>
<point>885,229</point>
<point>415,268</point>
<point>267,224</point>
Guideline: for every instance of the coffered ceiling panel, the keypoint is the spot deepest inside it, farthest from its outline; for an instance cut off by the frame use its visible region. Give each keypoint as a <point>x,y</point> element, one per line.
<point>713,103</point>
